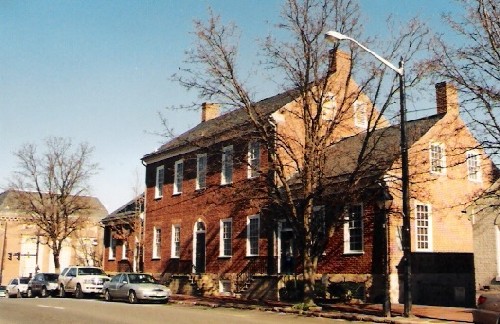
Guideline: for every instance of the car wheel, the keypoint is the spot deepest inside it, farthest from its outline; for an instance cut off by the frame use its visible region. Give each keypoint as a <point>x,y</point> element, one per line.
<point>107,296</point>
<point>62,292</point>
<point>132,297</point>
<point>30,293</point>
<point>165,301</point>
<point>78,292</point>
<point>19,295</point>
<point>44,293</point>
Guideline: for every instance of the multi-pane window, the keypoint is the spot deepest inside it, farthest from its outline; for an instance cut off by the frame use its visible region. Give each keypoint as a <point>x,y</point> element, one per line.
<point>438,158</point>
<point>253,224</point>
<point>253,159</point>
<point>176,241</point>
<point>201,171</point>
<point>423,227</point>
<point>360,114</point>
<point>112,246</point>
<point>156,242</point>
<point>353,230</point>
<point>226,235</point>
<point>160,172</point>
<point>473,166</point>
<point>329,106</point>
<point>178,176</point>
<point>227,165</point>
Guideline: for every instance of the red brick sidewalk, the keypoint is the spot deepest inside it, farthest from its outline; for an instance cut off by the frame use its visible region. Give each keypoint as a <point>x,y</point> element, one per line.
<point>366,312</point>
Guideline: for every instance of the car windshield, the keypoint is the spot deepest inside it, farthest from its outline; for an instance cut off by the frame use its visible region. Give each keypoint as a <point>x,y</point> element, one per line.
<point>51,277</point>
<point>141,278</point>
<point>90,271</point>
<point>24,280</point>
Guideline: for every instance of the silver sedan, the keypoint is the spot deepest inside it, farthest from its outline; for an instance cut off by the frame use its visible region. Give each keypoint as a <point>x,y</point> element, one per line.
<point>135,287</point>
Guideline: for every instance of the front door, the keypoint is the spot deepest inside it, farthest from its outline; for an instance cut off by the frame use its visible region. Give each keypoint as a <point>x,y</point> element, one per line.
<point>199,262</point>
<point>287,259</point>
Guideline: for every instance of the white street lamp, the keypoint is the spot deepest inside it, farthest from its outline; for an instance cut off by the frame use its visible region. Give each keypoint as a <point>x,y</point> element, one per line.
<point>336,36</point>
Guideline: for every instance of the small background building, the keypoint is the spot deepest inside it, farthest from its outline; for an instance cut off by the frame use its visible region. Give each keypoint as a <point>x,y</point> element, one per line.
<point>123,236</point>
<point>22,249</point>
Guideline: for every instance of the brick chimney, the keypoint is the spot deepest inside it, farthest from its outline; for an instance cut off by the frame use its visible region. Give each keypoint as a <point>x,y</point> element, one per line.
<point>209,111</point>
<point>338,60</point>
<point>446,99</point>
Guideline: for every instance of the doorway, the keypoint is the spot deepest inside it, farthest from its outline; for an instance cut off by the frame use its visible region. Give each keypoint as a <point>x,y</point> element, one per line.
<point>199,247</point>
<point>287,255</point>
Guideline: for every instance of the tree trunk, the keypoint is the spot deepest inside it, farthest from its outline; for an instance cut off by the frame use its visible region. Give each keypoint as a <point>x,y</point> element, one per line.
<point>57,265</point>
<point>310,266</point>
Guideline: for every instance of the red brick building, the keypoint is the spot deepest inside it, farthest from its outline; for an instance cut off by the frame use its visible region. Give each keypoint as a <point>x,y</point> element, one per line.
<point>209,229</point>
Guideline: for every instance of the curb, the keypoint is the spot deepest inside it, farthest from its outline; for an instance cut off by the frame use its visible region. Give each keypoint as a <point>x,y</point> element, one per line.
<point>329,314</point>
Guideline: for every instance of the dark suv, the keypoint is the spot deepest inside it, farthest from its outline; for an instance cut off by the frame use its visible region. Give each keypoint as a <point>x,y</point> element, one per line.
<point>43,285</point>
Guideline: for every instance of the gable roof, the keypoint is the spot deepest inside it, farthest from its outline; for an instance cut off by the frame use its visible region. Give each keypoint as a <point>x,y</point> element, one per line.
<point>9,204</point>
<point>126,211</point>
<point>381,150</point>
<point>226,126</point>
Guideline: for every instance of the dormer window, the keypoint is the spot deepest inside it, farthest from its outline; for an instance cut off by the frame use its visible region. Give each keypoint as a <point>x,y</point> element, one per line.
<point>360,114</point>
<point>438,158</point>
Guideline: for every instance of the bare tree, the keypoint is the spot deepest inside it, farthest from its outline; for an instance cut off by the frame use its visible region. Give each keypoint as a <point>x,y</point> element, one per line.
<point>51,188</point>
<point>302,62</point>
<point>472,62</point>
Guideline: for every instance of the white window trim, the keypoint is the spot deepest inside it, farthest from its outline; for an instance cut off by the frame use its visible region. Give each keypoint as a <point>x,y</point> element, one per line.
<point>347,235</point>
<point>429,229</point>
<point>124,250</point>
<point>112,247</point>
<point>156,248</point>
<point>253,172</point>
<point>225,165</point>
<point>159,182</point>
<point>201,157</point>
<point>172,250</point>
<point>470,155</point>
<point>178,177</point>
<point>357,106</point>
<point>221,236</point>
<point>248,235</point>
<point>442,160</point>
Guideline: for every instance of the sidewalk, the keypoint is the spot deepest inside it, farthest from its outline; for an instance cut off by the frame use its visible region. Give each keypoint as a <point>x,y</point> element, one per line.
<point>354,312</point>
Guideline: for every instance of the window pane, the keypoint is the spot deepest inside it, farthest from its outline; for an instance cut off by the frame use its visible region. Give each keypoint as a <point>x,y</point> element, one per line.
<point>253,159</point>
<point>423,227</point>
<point>159,182</point>
<point>201,171</point>
<point>226,238</point>
<point>227,165</point>
<point>253,236</point>
<point>179,169</point>
<point>355,226</point>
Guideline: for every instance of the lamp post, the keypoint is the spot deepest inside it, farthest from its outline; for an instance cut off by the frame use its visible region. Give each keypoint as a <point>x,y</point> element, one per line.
<point>384,203</point>
<point>406,236</point>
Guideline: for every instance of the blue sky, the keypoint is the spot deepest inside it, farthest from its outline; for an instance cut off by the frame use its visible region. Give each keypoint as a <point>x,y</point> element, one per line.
<point>99,72</point>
